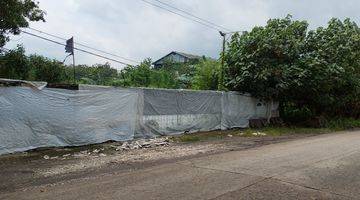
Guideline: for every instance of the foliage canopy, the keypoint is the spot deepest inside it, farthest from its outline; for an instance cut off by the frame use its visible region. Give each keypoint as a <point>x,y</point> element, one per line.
<point>283,61</point>
<point>16,14</point>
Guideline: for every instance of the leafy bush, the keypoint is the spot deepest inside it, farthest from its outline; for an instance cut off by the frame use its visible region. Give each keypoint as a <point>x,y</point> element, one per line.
<point>343,123</point>
<point>206,75</point>
<point>14,64</point>
<point>316,72</point>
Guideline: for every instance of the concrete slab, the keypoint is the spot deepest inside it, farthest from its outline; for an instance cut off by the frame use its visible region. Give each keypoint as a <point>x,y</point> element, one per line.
<point>165,182</point>
<point>277,159</point>
<point>339,175</point>
<point>274,189</point>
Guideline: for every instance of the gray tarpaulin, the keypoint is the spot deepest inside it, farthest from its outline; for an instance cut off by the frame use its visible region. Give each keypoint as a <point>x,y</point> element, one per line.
<point>32,118</point>
<point>169,112</point>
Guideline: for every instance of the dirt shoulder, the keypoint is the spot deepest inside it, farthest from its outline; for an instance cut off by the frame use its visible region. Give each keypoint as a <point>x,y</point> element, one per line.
<point>60,165</point>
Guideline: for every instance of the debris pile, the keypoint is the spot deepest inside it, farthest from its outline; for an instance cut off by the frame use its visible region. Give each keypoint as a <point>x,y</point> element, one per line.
<point>258,134</point>
<point>143,143</point>
<point>125,146</point>
<point>253,134</point>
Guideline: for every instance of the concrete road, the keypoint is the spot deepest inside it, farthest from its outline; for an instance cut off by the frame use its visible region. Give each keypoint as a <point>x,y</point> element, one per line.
<point>320,167</point>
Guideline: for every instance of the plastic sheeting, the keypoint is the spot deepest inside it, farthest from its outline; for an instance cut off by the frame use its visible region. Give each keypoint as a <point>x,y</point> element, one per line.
<point>168,112</point>
<point>32,118</point>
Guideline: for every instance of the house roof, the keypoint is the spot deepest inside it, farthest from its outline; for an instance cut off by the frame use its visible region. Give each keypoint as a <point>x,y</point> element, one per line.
<point>189,56</point>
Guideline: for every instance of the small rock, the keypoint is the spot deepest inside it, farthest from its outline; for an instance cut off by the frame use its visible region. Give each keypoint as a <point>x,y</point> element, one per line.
<point>84,152</point>
<point>230,135</point>
<point>146,144</point>
<point>46,157</point>
<point>55,157</point>
<point>96,151</point>
<point>258,134</point>
<point>125,145</point>
<point>102,155</point>
<point>161,144</point>
<point>66,155</point>
<point>138,144</point>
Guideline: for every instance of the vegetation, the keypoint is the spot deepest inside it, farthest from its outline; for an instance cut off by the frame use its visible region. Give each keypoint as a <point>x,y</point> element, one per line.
<point>206,75</point>
<point>16,14</point>
<point>311,73</point>
<point>14,64</point>
<point>261,132</point>
<point>314,74</point>
<point>338,124</point>
<point>332,125</point>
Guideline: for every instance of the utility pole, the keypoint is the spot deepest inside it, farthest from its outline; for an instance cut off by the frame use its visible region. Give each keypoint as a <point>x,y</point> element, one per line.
<point>73,55</point>
<point>221,85</point>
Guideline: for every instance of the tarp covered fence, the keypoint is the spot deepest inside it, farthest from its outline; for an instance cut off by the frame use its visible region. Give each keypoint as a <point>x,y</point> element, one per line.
<point>45,117</point>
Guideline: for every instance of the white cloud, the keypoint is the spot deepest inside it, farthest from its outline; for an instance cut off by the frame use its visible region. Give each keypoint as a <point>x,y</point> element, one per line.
<point>136,30</point>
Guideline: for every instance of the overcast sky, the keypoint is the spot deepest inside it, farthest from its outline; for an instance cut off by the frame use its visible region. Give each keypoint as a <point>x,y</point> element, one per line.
<point>136,30</point>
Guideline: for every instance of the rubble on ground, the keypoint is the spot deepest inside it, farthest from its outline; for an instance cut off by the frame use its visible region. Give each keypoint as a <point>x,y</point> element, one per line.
<point>124,146</point>
<point>143,143</point>
<point>258,134</point>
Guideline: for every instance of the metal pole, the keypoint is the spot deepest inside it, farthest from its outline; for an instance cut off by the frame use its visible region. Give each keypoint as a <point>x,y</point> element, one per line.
<point>221,86</point>
<point>73,55</point>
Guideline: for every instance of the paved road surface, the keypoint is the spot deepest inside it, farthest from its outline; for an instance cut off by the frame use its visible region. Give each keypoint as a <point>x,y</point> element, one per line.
<point>321,167</point>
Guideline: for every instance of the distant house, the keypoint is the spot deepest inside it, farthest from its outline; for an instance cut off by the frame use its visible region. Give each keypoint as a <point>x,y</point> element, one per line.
<point>176,57</point>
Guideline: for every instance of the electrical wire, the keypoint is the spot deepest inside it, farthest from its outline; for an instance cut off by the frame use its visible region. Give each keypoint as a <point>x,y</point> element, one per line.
<point>82,50</point>
<point>181,15</point>
<point>192,15</point>
<point>83,45</point>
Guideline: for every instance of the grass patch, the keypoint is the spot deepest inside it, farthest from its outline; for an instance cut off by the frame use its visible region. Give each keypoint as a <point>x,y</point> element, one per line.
<point>279,131</point>
<point>186,138</point>
<point>250,132</point>
<point>202,136</point>
<point>330,126</point>
<point>343,124</point>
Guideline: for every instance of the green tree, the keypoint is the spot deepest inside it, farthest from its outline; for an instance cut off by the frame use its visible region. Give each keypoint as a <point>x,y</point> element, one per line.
<point>312,71</point>
<point>14,64</point>
<point>206,75</point>
<point>44,69</point>
<point>16,14</point>
<point>332,64</point>
<point>264,61</point>
<point>162,79</point>
<point>137,76</point>
<point>98,74</point>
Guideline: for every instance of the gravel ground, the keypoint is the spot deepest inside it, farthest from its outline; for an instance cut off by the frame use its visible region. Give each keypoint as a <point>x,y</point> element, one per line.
<point>53,165</point>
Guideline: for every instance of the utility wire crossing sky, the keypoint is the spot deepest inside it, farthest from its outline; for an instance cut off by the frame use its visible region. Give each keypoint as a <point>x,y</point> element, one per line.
<point>130,31</point>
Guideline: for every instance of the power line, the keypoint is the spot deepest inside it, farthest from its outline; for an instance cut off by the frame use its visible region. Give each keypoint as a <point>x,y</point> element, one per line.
<point>83,45</point>
<point>192,15</point>
<point>82,50</point>
<point>181,15</point>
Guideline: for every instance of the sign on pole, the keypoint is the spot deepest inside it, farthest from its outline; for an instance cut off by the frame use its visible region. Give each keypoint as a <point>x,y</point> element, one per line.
<point>69,48</point>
